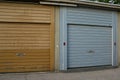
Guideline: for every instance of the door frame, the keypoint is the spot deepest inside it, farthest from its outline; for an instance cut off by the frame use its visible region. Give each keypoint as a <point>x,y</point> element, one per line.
<point>63,39</point>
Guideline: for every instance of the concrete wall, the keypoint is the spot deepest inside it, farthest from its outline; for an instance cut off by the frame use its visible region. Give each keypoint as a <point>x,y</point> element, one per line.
<point>57,13</point>
<point>118,37</point>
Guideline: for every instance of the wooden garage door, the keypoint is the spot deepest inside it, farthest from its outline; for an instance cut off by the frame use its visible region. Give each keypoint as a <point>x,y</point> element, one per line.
<point>26,38</point>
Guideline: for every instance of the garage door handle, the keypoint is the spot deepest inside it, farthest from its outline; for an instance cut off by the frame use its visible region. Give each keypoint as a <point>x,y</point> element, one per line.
<point>91,51</point>
<point>20,54</point>
<point>64,43</point>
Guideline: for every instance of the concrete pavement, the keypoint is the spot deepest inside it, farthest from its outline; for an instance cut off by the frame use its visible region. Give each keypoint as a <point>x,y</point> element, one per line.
<point>108,74</point>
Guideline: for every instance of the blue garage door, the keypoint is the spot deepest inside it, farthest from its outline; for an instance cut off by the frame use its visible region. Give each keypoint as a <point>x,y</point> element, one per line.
<point>89,46</point>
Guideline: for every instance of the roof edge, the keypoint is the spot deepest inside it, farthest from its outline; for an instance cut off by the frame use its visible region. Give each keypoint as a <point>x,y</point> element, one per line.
<point>86,3</point>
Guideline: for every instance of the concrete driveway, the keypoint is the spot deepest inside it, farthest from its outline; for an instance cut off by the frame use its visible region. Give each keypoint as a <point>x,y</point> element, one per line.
<point>108,74</point>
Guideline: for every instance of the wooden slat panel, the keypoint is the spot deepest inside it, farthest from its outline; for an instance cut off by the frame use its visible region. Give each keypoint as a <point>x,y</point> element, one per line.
<point>27,29</point>
<point>26,50</point>
<point>21,26</point>
<point>25,68</point>
<point>12,12</point>
<point>25,60</point>
<point>32,42</point>
<point>28,53</point>
<point>21,47</point>
<point>13,38</point>
<point>35,57</point>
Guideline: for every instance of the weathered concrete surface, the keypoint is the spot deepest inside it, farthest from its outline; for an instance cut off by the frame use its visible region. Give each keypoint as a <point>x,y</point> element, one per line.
<point>108,74</point>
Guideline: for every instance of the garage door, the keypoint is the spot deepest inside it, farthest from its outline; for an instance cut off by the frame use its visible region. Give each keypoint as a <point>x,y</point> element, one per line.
<point>26,37</point>
<point>87,38</point>
<point>89,46</point>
